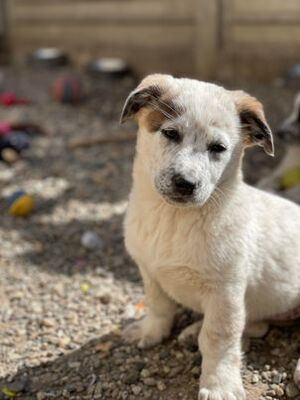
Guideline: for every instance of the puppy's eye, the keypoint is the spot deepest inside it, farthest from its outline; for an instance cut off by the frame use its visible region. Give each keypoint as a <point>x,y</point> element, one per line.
<point>171,134</point>
<point>216,148</point>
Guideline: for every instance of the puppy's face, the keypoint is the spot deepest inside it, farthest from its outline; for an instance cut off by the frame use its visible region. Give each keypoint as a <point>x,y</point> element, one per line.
<point>289,131</point>
<point>190,135</point>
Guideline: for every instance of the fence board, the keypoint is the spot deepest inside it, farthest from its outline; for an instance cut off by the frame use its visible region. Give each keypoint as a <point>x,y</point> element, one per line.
<point>108,10</point>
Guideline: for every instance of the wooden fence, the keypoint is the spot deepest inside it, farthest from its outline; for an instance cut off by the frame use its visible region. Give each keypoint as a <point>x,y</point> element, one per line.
<point>204,38</point>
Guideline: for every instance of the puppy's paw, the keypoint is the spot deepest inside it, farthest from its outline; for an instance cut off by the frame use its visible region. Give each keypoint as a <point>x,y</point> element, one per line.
<point>146,332</point>
<point>222,387</point>
<point>221,394</point>
<point>189,335</point>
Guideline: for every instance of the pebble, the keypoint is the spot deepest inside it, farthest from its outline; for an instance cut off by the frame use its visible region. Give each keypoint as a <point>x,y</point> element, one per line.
<point>292,390</point>
<point>279,391</point>
<point>136,390</point>
<point>105,298</point>
<point>195,371</point>
<point>41,395</point>
<point>145,373</point>
<point>161,386</point>
<point>277,378</point>
<point>132,377</point>
<point>90,240</point>
<point>150,381</point>
<point>48,322</point>
<point>64,342</point>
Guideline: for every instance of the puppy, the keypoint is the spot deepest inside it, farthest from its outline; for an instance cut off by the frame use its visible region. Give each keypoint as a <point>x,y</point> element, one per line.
<point>289,133</point>
<point>202,237</point>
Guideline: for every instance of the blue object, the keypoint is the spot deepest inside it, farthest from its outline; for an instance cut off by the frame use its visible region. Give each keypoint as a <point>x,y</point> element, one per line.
<point>16,195</point>
<point>16,140</point>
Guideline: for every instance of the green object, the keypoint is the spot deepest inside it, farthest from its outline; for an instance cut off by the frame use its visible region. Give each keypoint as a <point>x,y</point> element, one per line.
<point>8,392</point>
<point>85,287</point>
<point>290,178</point>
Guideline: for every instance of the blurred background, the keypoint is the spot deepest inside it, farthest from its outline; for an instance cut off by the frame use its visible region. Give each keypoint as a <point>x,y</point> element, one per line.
<point>67,285</point>
<point>206,39</point>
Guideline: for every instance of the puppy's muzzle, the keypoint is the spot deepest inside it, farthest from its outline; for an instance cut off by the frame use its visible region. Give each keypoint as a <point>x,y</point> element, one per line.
<point>182,186</point>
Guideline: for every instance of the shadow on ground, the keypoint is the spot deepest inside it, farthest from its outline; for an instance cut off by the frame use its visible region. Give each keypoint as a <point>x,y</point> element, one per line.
<point>106,368</point>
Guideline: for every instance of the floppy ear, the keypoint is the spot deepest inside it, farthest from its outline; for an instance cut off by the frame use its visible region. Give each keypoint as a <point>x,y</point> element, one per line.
<point>254,126</point>
<point>148,93</point>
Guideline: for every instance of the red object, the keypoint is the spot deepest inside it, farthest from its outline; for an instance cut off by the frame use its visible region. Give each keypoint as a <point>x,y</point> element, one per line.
<point>10,99</point>
<point>67,90</point>
<point>5,128</point>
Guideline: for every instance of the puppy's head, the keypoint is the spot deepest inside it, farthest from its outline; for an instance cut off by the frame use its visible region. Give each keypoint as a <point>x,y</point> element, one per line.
<point>289,132</point>
<point>192,135</point>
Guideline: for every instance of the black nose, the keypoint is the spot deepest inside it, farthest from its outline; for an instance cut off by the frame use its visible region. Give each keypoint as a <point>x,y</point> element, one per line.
<point>182,186</point>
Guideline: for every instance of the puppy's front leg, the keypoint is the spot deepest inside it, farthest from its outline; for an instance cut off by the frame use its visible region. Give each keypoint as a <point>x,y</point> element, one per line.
<point>157,323</point>
<point>220,345</point>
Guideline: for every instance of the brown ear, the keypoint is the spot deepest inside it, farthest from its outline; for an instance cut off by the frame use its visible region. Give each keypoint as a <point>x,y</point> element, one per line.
<point>253,122</point>
<point>139,98</point>
<point>150,93</point>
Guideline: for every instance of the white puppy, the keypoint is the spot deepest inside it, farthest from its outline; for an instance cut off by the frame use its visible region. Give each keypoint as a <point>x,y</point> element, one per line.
<point>200,236</point>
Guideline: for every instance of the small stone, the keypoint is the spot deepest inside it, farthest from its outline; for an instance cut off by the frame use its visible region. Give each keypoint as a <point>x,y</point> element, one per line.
<point>17,295</point>
<point>132,377</point>
<point>64,342</point>
<point>148,394</point>
<point>66,393</point>
<point>98,391</point>
<point>178,355</point>
<point>150,381</point>
<point>48,322</point>
<point>41,395</point>
<point>90,240</point>
<point>105,298</point>
<point>161,386</point>
<point>74,364</point>
<point>276,351</point>
<point>279,391</point>
<point>277,378</point>
<point>145,373</point>
<point>195,371</point>
<point>175,371</point>
<point>36,308</point>
<point>58,289</point>
<point>255,378</point>
<point>291,390</point>
<point>166,369</point>
<point>136,390</point>
<point>271,393</point>
<point>265,375</point>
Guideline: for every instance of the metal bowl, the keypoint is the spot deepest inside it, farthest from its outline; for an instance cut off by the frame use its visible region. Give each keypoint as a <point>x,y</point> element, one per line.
<point>48,56</point>
<point>108,68</point>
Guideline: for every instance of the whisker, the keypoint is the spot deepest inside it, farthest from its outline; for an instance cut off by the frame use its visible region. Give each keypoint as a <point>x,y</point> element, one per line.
<point>162,102</point>
<point>165,113</point>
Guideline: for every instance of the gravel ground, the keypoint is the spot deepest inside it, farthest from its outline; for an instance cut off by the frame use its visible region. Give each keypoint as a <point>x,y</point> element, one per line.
<point>62,305</point>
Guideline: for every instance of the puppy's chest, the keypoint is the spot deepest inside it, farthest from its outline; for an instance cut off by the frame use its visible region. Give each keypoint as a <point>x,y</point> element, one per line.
<point>176,254</point>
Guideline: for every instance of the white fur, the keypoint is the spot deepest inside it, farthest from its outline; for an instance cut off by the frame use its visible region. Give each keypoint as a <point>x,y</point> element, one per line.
<point>233,255</point>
